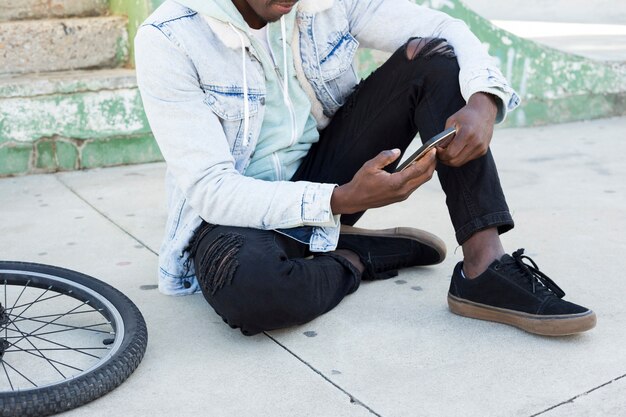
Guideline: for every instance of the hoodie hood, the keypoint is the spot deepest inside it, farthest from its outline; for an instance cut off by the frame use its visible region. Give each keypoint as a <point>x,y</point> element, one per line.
<point>222,10</point>
<point>224,17</point>
<point>225,10</point>
<point>298,96</point>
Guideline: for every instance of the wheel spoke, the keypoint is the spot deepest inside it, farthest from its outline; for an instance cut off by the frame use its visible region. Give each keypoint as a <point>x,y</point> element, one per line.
<point>39,301</point>
<point>19,296</point>
<point>70,328</point>
<point>42,355</point>
<point>6,305</point>
<point>31,303</point>
<point>57,349</point>
<point>7,374</point>
<point>49,359</point>
<point>62,345</point>
<point>21,374</point>
<point>51,322</point>
<point>93,310</point>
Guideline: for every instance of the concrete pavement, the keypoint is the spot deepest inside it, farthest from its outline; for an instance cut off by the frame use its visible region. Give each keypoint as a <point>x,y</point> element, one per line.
<point>593,29</point>
<point>392,349</point>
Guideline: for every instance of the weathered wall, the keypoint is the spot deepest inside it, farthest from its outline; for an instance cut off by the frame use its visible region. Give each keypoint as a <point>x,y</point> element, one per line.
<point>582,11</point>
<point>91,118</point>
<point>137,11</point>
<point>84,120</point>
<point>65,103</point>
<point>41,9</point>
<point>29,46</point>
<point>555,87</point>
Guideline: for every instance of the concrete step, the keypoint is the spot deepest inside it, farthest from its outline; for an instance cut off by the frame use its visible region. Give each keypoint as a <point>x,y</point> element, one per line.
<point>574,11</point>
<point>72,120</point>
<point>600,42</point>
<point>595,30</point>
<point>45,9</point>
<point>66,82</point>
<point>555,86</point>
<point>62,44</point>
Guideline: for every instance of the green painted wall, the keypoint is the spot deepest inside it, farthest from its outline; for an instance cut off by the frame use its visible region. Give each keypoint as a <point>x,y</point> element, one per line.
<point>137,11</point>
<point>98,120</point>
<point>86,121</point>
<point>554,86</point>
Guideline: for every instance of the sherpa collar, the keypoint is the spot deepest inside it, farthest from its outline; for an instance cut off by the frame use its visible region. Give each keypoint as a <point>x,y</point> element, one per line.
<point>315,6</point>
<point>229,38</point>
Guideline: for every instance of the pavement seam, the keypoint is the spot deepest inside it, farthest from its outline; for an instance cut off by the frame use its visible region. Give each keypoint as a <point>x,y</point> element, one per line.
<point>353,399</point>
<point>73,191</point>
<point>571,400</point>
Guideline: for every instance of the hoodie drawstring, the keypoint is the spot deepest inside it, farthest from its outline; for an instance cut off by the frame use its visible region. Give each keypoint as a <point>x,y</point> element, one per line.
<point>283,32</point>
<point>246,104</point>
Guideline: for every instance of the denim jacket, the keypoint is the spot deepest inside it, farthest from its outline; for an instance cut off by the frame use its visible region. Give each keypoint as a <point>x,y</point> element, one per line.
<point>189,71</point>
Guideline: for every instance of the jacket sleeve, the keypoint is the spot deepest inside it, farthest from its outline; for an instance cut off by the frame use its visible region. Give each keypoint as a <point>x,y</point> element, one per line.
<point>387,24</point>
<point>194,145</point>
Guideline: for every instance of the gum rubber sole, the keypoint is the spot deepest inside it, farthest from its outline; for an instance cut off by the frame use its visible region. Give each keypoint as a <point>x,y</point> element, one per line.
<point>554,325</point>
<point>418,235</point>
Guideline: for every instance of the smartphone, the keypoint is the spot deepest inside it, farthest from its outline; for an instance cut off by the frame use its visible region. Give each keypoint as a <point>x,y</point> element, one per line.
<point>442,139</point>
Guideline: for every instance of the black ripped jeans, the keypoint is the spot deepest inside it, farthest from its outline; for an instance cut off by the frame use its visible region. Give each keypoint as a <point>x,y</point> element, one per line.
<point>259,280</point>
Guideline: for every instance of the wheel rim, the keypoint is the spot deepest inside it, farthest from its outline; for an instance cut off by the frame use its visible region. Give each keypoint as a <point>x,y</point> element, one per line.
<point>36,336</point>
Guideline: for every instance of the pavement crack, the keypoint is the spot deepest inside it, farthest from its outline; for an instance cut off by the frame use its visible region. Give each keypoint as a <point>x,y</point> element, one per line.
<point>352,398</point>
<point>574,398</point>
<point>77,194</point>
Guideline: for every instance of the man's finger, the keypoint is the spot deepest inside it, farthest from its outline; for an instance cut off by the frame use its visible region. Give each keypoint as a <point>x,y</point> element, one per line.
<point>455,147</point>
<point>384,158</point>
<point>420,166</point>
<point>423,175</point>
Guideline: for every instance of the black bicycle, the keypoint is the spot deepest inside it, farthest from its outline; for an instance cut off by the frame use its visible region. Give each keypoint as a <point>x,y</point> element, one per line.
<point>65,339</point>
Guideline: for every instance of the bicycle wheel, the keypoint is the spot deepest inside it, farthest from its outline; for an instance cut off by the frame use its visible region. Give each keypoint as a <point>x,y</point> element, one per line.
<point>65,339</point>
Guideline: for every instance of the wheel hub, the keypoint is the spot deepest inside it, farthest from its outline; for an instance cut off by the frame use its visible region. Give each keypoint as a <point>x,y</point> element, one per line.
<point>4,317</point>
<point>4,345</point>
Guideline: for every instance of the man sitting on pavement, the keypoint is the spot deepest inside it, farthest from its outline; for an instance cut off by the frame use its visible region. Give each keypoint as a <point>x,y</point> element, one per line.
<point>274,150</point>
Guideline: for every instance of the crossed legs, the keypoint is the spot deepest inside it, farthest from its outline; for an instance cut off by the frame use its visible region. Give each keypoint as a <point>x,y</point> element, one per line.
<point>260,280</point>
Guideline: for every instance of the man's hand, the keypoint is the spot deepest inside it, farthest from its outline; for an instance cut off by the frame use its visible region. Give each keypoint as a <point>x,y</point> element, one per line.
<point>474,125</point>
<point>374,187</point>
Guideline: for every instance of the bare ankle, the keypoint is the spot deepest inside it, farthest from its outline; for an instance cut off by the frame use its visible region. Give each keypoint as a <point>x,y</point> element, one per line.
<point>473,270</point>
<point>480,250</point>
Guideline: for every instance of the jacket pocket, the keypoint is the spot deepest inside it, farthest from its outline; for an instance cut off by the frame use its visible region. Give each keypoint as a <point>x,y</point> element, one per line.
<point>336,66</point>
<point>227,103</point>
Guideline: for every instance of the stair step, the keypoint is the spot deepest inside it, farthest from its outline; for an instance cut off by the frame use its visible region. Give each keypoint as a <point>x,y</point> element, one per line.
<point>62,44</point>
<point>66,82</point>
<point>87,104</point>
<point>45,9</point>
<point>72,120</point>
<point>72,104</point>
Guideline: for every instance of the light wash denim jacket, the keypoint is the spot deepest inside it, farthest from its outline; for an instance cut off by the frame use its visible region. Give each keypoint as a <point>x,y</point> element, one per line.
<point>189,71</point>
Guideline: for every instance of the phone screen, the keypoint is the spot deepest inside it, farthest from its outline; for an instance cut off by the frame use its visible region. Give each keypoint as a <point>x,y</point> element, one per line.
<point>441,139</point>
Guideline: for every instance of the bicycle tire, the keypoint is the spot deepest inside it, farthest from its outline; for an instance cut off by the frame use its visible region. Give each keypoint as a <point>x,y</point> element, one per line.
<point>98,380</point>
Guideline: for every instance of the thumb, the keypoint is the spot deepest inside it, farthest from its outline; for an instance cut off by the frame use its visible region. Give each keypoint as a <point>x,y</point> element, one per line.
<point>385,158</point>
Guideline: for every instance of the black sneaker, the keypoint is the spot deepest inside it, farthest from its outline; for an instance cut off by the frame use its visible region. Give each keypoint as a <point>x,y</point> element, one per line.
<point>513,292</point>
<point>383,252</point>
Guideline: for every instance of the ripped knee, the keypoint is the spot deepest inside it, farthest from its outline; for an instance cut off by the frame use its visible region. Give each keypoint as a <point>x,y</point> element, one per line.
<point>219,262</point>
<point>427,47</point>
